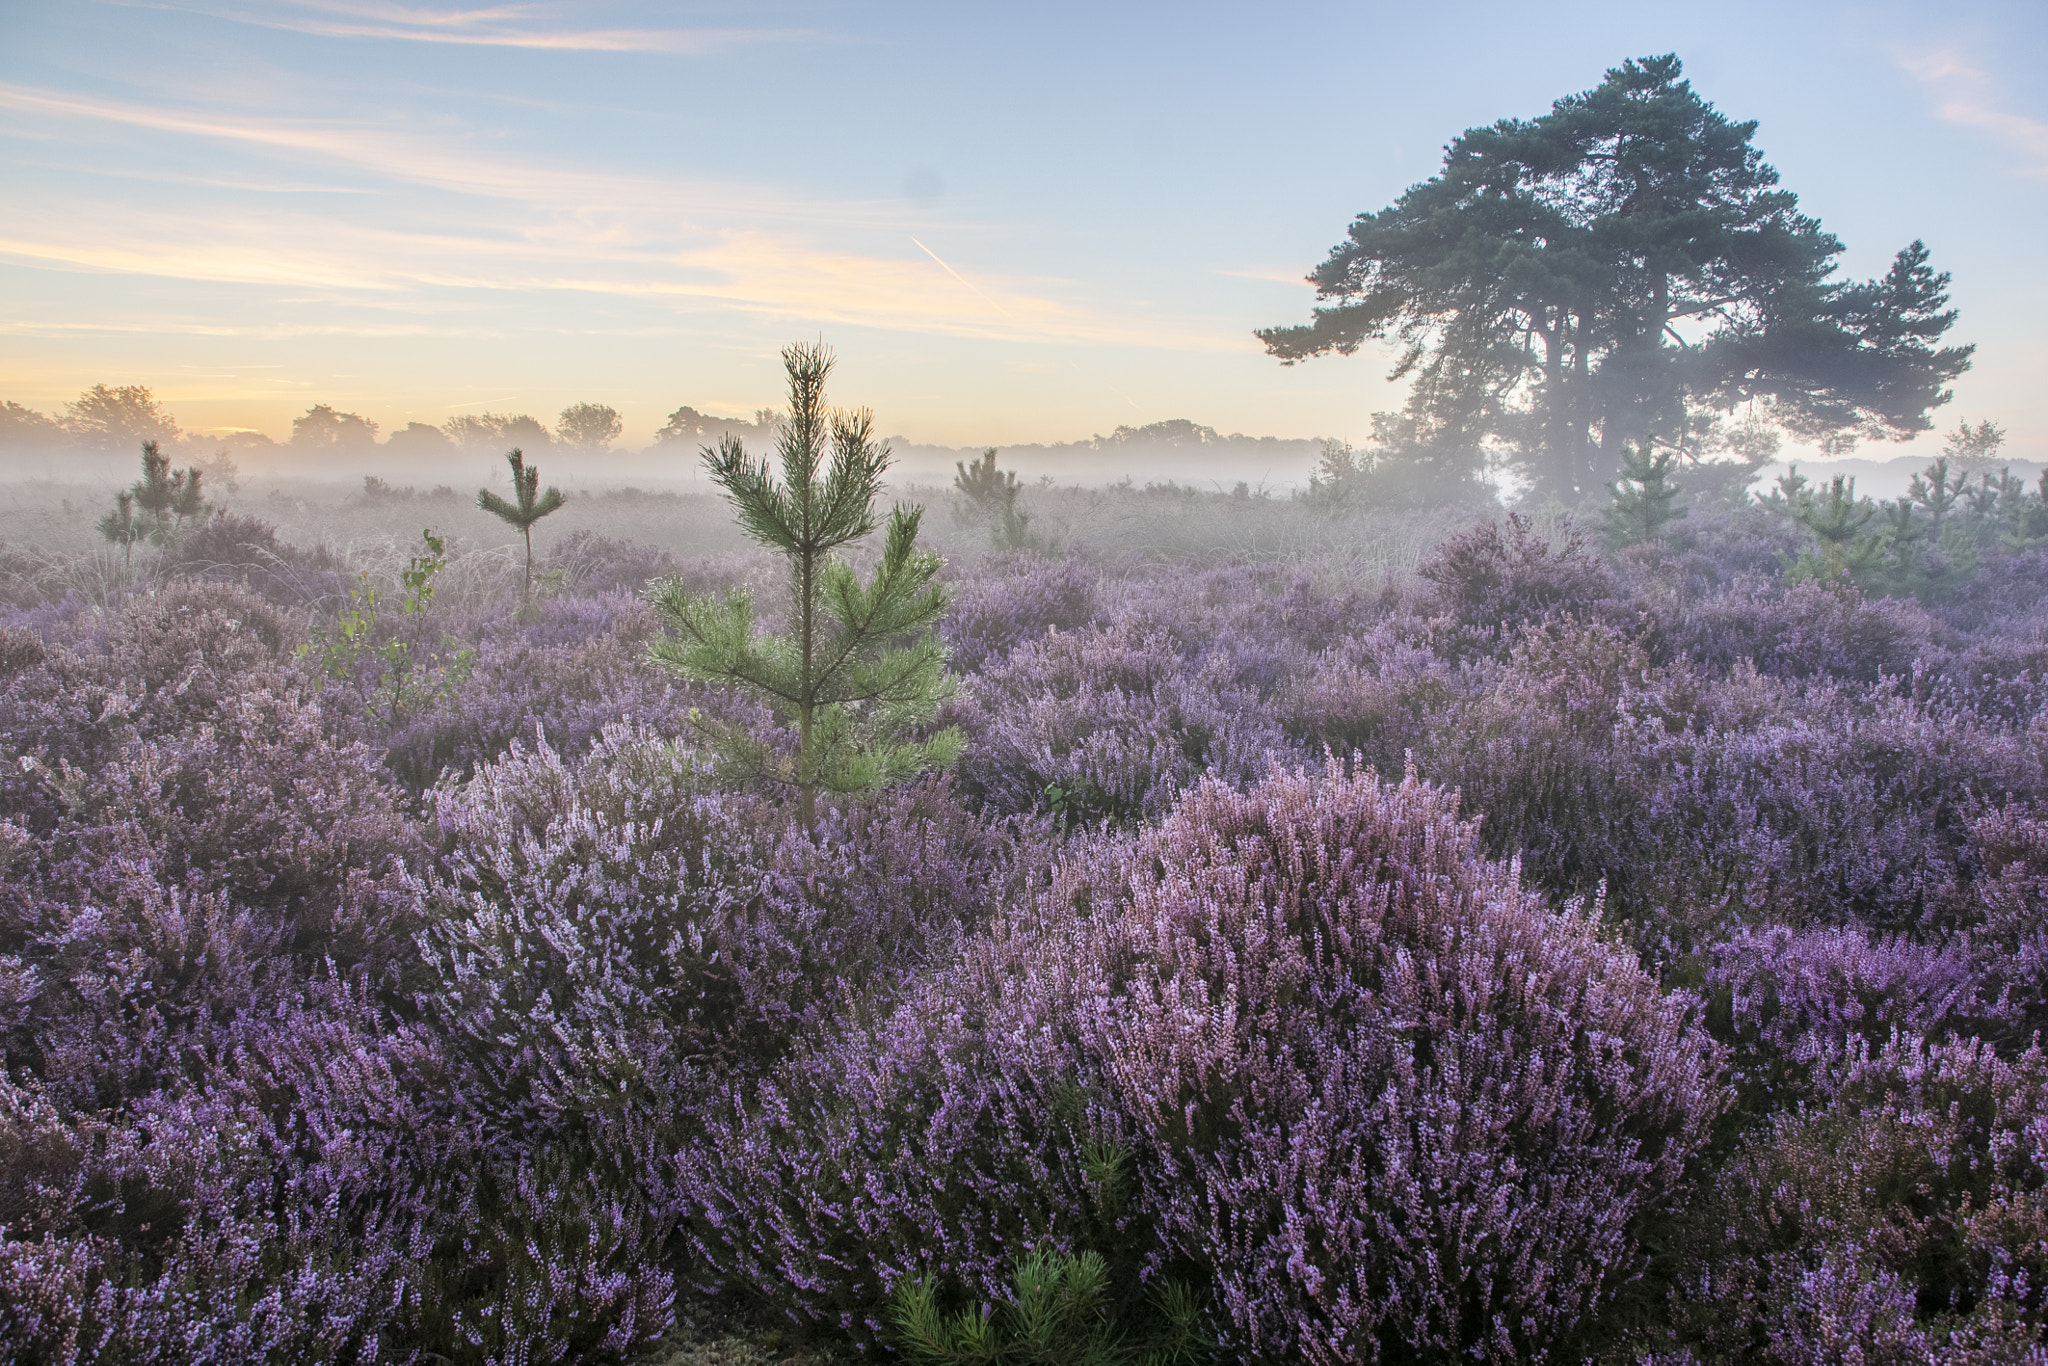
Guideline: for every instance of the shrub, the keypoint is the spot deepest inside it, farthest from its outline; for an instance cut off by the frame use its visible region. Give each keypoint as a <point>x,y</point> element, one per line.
<point>1106,724</point>
<point>1011,599</point>
<point>1383,1100</point>
<point>1499,576</point>
<point>1903,1222</point>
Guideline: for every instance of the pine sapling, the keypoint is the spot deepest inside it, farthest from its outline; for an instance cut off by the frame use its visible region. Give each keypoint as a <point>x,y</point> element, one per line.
<point>155,507</point>
<point>861,667</point>
<point>528,507</point>
<point>991,495</point>
<point>1643,498</point>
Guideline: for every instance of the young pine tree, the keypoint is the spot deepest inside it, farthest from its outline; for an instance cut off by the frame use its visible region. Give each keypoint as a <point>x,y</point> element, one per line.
<point>530,506</point>
<point>991,496</point>
<point>1643,498</point>
<point>155,507</point>
<point>860,666</point>
<point>123,528</point>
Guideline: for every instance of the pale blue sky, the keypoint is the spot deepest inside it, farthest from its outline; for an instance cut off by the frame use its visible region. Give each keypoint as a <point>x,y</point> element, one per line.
<point>409,211</point>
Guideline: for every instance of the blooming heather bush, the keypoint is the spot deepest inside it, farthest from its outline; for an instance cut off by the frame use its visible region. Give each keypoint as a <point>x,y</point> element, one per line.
<point>572,942</point>
<point>1400,1108</point>
<point>1904,1222</point>
<point>1761,802</point>
<point>1795,1005</point>
<point>2009,846</point>
<point>1106,723</point>
<point>606,937</point>
<point>1807,630</point>
<point>1014,598</point>
<point>1501,576</point>
<point>571,670</point>
<point>1387,1103</point>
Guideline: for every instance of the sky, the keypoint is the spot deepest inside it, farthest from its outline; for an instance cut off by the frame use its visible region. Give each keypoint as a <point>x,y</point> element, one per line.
<point>1014,223</point>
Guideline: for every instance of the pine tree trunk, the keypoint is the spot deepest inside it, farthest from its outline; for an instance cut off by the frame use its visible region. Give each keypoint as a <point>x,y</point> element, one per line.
<point>806,776</point>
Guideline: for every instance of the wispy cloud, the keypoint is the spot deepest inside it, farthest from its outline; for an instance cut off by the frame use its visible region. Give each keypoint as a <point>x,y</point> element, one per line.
<point>1971,98</point>
<point>440,221</point>
<point>514,26</point>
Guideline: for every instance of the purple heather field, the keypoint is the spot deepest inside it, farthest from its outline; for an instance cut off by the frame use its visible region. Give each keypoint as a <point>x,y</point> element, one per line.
<point>1531,939</point>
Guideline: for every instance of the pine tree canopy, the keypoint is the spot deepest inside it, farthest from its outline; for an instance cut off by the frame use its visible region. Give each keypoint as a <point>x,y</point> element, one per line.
<point>1605,273</point>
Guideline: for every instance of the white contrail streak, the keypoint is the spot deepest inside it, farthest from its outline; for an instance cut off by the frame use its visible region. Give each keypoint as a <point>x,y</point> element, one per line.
<point>963,279</point>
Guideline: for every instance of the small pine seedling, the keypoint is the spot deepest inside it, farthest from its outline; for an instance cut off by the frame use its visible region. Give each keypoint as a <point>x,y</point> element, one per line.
<point>530,506</point>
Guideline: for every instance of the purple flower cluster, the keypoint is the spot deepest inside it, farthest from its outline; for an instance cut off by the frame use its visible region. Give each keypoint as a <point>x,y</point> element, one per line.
<point>1378,1097</point>
<point>432,999</point>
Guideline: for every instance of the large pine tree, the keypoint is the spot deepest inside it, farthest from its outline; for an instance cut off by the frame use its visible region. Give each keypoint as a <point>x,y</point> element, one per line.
<point>1613,270</point>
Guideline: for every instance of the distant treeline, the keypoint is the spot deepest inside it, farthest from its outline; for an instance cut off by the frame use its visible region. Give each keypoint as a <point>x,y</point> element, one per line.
<point>119,418</point>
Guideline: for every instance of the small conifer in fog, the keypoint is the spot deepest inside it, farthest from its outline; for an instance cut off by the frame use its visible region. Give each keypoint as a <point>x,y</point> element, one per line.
<point>1643,498</point>
<point>156,507</point>
<point>529,505</point>
<point>991,495</point>
<point>860,667</point>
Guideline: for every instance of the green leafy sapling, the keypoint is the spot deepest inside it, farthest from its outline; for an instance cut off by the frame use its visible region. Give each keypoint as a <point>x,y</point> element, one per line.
<point>860,669</point>
<point>1643,498</point>
<point>529,505</point>
<point>362,648</point>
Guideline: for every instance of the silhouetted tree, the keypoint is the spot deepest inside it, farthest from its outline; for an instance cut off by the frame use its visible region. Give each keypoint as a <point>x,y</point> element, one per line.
<point>1973,449</point>
<point>417,438</point>
<point>861,666</point>
<point>113,419</point>
<point>529,505</point>
<point>21,426</point>
<point>588,426</point>
<point>497,429</point>
<point>684,424</point>
<point>1574,283</point>
<point>322,428</point>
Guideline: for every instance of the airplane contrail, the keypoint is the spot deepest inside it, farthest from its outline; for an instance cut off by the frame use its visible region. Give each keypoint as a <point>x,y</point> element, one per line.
<point>962,279</point>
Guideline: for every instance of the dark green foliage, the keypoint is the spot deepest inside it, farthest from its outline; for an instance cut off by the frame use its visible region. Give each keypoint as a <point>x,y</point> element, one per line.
<point>1643,498</point>
<point>1538,287</point>
<point>860,668</point>
<point>1059,1313</point>
<point>155,507</point>
<point>530,507</point>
